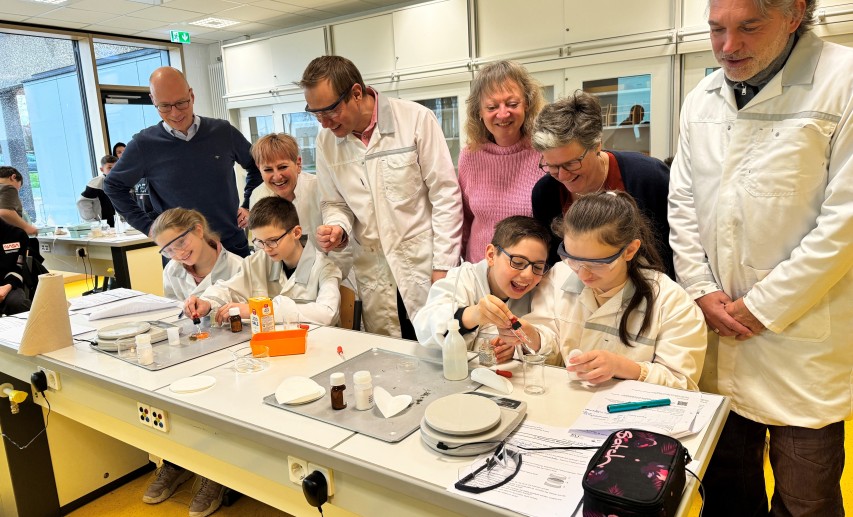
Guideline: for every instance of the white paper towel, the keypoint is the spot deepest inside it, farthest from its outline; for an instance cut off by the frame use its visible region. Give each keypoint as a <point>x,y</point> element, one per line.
<point>48,325</point>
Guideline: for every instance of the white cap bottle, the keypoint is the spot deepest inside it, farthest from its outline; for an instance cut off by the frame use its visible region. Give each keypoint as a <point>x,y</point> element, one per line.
<point>363,390</point>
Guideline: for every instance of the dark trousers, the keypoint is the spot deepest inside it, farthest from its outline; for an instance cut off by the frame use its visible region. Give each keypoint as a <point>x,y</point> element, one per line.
<point>406,327</point>
<point>807,465</point>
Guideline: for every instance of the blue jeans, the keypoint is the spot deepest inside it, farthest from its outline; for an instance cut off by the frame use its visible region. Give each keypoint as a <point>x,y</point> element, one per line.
<point>807,465</point>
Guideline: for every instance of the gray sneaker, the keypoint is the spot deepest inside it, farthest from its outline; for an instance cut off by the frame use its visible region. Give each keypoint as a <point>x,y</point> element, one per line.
<point>208,498</point>
<point>169,477</point>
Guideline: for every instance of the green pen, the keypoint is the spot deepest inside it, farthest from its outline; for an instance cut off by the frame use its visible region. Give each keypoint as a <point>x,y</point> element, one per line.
<point>632,406</point>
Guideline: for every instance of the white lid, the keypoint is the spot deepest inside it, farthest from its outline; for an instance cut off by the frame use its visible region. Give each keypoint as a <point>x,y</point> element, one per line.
<point>453,324</point>
<point>362,377</point>
<point>337,379</point>
<point>143,339</point>
<point>234,311</point>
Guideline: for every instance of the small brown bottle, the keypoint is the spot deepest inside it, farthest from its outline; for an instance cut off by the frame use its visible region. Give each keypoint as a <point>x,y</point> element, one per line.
<point>234,319</point>
<point>337,381</point>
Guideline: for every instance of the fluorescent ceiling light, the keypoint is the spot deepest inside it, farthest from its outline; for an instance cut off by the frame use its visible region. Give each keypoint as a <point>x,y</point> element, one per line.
<point>148,2</point>
<point>51,2</point>
<point>214,23</point>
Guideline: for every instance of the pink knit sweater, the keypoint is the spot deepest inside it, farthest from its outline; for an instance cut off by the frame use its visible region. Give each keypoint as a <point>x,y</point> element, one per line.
<point>496,183</point>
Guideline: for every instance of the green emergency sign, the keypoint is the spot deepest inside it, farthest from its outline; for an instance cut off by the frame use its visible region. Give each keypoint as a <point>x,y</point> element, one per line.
<point>180,36</point>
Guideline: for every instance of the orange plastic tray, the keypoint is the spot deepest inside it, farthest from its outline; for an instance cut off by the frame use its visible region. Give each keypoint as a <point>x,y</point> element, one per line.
<point>282,342</point>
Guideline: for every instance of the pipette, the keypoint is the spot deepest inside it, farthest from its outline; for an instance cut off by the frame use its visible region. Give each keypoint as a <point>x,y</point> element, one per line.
<point>515,328</point>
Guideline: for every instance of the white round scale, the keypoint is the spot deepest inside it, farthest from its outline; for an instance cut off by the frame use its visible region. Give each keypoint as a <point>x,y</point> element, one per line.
<point>192,384</point>
<point>462,414</point>
<point>124,330</point>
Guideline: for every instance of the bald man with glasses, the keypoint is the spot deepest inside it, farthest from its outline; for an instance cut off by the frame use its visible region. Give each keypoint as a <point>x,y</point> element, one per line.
<point>188,161</point>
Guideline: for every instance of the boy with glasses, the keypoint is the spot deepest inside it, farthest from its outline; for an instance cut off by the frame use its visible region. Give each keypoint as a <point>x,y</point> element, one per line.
<point>302,282</point>
<point>490,293</point>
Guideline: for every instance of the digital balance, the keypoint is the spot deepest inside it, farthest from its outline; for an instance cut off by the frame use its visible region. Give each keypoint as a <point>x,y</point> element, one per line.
<point>109,336</point>
<point>468,424</point>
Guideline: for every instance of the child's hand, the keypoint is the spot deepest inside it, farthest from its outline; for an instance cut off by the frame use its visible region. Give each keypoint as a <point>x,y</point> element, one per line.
<point>492,310</point>
<point>503,350</point>
<point>222,314</point>
<point>597,366</point>
<point>196,306</point>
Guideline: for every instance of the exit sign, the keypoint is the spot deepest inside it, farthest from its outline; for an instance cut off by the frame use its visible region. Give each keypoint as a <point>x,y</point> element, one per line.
<point>180,36</point>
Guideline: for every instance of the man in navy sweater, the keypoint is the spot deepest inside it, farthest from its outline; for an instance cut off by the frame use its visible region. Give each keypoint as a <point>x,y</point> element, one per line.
<point>188,162</point>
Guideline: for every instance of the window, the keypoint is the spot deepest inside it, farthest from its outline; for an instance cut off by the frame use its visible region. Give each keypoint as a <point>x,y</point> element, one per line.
<point>304,128</point>
<point>126,65</point>
<point>625,111</point>
<point>446,109</point>
<point>260,126</point>
<point>44,133</point>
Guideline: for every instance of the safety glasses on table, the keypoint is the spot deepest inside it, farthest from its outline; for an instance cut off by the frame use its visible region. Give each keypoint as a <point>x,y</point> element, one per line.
<point>592,265</point>
<point>521,263</point>
<point>501,467</point>
<point>176,244</point>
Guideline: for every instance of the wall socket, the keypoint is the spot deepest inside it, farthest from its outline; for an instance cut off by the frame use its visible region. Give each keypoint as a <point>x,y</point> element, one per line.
<point>81,252</point>
<point>52,379</point>
<point>159,420</point>
<point>143,414</point>
<point>45,247</point>
<point>330,477</point>
<point>297,469</point>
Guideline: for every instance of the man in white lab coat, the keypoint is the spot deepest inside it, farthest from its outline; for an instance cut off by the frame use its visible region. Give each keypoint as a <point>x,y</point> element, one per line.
<point>760,216</point>
<point>386,182</point>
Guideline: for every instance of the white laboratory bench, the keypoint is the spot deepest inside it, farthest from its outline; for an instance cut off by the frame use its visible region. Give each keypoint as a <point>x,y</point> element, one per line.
<point>228,434</point>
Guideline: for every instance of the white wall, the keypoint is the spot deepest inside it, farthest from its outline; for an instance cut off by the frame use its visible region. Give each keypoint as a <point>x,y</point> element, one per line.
<point>196,59</point>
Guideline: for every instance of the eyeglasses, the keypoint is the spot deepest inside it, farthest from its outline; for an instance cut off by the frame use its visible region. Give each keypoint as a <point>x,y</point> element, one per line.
<point>272,243</point>
<point>166,108</point>
<point>499,469</point>
<point>521,263</point>
<point>591,265</point>
<point>178,243</point>
<point>331,110</point>
<point>570,166</point>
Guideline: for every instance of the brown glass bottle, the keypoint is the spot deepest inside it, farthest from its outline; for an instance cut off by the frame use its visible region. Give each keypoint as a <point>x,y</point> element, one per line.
<point>337,381</point>
<point>234,319</point>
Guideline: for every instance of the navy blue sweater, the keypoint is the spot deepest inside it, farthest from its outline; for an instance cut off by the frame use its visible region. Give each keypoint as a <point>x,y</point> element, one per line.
<point>197,174</point>
<point>645,178</point>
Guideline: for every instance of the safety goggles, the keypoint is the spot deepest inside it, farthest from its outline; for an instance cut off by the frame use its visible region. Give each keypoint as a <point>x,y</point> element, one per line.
<point>330,111</point>
<point>179,243</point>
<point>591,265</point>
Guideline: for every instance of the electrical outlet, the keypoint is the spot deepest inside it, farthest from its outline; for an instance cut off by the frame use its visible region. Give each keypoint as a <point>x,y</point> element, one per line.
<point>330,479</point>
<point>45,247</point>
<point>143,414</point>
<point>81,252</point>
<point>297,469</point>
<point>52,379</point>
<point>159,420</point>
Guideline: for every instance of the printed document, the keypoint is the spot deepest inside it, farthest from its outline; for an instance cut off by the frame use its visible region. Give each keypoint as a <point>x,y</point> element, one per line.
<point>12,331</point>
<point>549,482</point>
<point>93,300</point>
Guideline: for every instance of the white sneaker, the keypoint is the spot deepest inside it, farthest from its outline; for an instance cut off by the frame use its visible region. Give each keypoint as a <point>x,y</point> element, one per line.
<point>169,477</point>
<point>208,499</point>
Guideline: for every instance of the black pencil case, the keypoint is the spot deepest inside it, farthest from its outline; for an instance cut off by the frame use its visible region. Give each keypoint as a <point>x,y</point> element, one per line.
<point>635,474</point>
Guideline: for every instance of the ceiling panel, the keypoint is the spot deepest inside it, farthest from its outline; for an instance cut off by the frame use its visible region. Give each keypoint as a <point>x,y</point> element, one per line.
<point>248,13</point>
<point>166,14</point>
<point>24,8</point>
<point>114,6</point>
<point>131,22</point>
<point>201,6</point>
<point>56,23</point>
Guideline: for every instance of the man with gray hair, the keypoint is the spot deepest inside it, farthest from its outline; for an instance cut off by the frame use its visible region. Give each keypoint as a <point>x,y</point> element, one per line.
<point>759,210</point>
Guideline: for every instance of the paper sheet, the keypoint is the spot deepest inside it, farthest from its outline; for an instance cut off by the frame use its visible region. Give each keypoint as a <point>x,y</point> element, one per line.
<point>549,482</point>
<point>93,300</point>
<point>135,305</point>
<point>12,330</point>
<point>675,420</point>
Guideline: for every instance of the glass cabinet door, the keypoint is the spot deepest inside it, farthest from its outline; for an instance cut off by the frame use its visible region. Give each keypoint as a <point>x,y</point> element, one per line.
<point>625,111</point>
<point>304,128</point>
<point>447,102</point>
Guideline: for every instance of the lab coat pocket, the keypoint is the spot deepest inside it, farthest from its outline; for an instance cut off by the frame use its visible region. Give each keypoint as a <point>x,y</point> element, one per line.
<point>401,175</point>
<point>787,161</point>
<point>813,325</point>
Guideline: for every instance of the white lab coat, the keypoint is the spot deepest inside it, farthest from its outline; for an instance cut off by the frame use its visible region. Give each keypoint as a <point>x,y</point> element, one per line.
<point>463,286</point>
<point>567,316</point>
<point>398,199</point>
<point>306,200</point>
<point>180,285</point>
<point>760,207</point>
<point>311,293</point>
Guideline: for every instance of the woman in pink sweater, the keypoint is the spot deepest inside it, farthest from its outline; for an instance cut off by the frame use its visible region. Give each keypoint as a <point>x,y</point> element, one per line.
<point>498,167</point>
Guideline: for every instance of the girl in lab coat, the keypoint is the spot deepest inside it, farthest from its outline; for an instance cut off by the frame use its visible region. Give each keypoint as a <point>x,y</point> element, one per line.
<point>610,299</point>
<point>198,259</point>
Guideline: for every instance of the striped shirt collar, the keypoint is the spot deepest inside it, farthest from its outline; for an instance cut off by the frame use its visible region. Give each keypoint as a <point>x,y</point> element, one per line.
<point>191,131</point>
